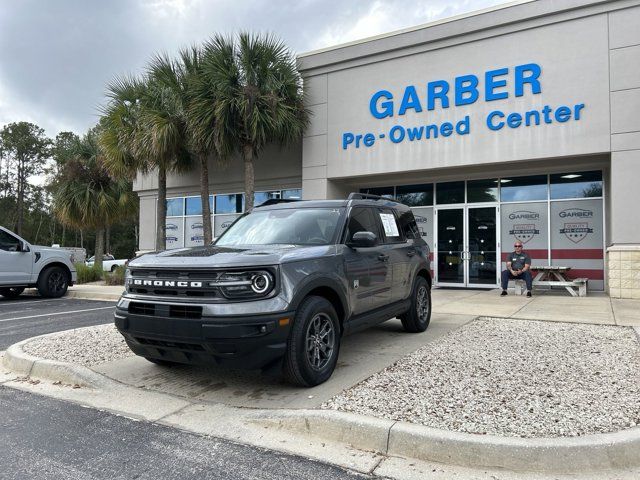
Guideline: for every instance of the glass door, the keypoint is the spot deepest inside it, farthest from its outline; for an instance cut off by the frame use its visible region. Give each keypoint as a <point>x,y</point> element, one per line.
<point>467,250</point>
<point>450,268</point>
<point>481,252</point>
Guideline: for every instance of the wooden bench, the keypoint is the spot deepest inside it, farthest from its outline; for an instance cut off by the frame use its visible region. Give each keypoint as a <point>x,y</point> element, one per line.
<point>552,276</point>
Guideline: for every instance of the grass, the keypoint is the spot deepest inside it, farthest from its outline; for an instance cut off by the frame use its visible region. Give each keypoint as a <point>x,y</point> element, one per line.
<point>88,274</point>
<point>116,277</point>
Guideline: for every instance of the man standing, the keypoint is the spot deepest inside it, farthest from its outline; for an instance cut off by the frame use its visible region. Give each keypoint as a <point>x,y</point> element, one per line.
<point>518,267</point>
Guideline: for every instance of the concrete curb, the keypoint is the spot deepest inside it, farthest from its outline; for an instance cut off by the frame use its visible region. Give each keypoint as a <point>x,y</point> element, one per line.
<point>609,451</point>
<point>590,453</point>
<point>20,362</point>
<point>105,297</point>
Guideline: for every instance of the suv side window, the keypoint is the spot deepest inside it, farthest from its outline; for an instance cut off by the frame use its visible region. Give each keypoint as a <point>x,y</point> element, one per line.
<point>8,242</point>
<point>389,222</point>
<point>361,220</point>
<point>408,225</point>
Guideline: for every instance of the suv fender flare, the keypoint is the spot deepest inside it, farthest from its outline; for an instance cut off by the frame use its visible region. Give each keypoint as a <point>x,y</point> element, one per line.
<point>330,283</point>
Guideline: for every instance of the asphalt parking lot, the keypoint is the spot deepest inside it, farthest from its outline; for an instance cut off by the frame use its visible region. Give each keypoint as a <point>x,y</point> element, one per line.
<point>30,316</point>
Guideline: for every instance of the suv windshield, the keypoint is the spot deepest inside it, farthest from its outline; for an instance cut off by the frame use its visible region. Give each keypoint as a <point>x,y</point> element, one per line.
<point>292,226</point>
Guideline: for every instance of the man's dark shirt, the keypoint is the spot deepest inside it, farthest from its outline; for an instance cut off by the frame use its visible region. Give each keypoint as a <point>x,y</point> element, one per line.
<point>518,260</point>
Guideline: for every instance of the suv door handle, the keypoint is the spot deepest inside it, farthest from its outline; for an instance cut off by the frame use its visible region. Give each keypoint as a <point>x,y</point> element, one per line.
<point>383,258</point>
<point>411,253</point>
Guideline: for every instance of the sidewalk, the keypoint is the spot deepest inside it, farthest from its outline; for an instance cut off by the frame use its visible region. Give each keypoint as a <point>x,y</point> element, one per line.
<point>553,306</point>
<point>95,291</point>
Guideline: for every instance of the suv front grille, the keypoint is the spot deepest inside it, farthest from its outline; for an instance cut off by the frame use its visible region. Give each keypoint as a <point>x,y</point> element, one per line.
<point>162,310</point>
<point>174,290</point>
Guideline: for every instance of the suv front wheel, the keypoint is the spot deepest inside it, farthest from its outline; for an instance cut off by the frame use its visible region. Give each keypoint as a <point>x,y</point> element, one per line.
<point>419,315</point>
<point>314,343</point>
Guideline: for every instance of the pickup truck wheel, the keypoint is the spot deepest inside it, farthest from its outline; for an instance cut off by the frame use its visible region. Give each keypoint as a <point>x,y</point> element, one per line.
<point>113,268</point>
<point>53,282</point>
<point>419,315</point>
<point>314,343</point>
<point>11,292</point>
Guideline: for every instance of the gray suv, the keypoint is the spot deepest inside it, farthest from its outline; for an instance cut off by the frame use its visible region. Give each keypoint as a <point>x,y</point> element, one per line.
<point>279,289</point>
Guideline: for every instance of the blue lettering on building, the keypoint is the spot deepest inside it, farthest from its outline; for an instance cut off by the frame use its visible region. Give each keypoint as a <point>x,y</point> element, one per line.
<point>497,84</point>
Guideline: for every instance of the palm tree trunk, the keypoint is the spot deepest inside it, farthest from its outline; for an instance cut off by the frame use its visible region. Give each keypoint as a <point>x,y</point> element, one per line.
<point>99,253</point>
<point>107,232</point>
<point>204,196</point>
<point>161,217</point>
<point>249,178</point>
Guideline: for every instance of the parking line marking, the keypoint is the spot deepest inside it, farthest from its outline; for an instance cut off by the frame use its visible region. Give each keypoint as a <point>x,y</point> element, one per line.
<point>52,314</point>
<point>20,302</point>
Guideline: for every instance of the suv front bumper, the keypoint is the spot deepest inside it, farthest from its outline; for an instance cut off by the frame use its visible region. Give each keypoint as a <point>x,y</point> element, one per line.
<point>247,342</point>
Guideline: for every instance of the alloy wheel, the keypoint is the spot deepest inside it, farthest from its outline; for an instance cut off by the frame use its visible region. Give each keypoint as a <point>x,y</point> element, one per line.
<point>320,341</point>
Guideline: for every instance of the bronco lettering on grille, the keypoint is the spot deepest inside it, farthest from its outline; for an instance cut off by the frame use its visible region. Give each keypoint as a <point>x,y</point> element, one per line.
<point>166,283</point>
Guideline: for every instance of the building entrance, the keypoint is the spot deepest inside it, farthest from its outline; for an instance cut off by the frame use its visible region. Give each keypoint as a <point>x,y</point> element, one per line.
<point>467,253</point>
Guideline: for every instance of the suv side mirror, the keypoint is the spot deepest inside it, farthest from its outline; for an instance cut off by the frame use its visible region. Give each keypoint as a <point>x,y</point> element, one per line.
<point>363,240</point>
<point>24,247</point>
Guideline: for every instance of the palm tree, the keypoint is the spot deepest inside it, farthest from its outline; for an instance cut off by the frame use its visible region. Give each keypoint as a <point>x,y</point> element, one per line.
<point>177,79</point>
<point>256,93</point>
<point>87,197</point>
<point>143,132</point>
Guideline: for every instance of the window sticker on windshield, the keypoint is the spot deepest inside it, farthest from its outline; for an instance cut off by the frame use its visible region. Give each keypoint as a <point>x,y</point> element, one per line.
<point>389,224</point>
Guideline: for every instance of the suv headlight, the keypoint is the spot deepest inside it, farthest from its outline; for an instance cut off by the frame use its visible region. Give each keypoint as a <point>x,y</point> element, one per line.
<point>254,284</point>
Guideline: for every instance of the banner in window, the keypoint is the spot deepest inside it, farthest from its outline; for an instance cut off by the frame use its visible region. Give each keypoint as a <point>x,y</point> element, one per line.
<point>193,232</point>
<point>526,223</point>
<point>174,233</point>
<point>577,239</point>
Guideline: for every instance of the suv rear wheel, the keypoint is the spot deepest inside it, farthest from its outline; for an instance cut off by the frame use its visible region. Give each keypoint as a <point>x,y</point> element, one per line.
<point>53,282</point>
<point>314,343</point>
<point>11,292</point>
<point>419,315</point>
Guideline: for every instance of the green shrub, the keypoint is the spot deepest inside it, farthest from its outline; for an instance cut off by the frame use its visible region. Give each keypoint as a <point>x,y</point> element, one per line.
<point>88,274</point>
<point>116,277</point>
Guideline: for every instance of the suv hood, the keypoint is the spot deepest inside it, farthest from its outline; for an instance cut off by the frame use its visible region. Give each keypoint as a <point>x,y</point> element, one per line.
<point>212,256</point>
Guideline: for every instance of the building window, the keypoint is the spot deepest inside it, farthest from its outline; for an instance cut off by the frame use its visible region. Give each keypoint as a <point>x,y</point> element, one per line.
<point>386,192</point>
<point>232,203</point>
<point>415,195</point>
<point>449,192</point>
<point>576,185</point>
<point>175,207</point>
<point>292,194</point>
<point>523,189</point>
<point>260,197</point>
<point>482,191</point>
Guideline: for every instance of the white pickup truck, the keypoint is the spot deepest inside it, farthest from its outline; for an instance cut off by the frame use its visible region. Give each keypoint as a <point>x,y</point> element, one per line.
<point>109,263</point>
<point>23,265</point>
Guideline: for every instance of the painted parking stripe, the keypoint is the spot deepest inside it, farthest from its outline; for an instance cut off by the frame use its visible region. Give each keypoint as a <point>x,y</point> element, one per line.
<point>57,313</point>
<point>20,302</point>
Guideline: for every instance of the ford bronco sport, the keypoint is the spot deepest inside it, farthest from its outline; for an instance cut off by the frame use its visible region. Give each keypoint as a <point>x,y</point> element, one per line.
<point>280,287</point>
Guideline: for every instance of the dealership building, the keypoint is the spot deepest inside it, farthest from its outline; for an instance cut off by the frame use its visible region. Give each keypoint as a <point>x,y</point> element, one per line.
<point>515,123</point>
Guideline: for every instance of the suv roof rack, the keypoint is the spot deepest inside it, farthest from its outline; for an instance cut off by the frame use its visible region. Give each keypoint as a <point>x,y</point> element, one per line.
<point>275,201</point>
<point>368,196</point>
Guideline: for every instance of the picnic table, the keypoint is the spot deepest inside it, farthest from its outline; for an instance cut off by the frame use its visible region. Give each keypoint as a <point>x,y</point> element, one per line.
<point>554,276</point>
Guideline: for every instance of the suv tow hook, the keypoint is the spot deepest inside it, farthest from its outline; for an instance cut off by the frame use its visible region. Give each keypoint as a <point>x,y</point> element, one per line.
<point>383,258</point>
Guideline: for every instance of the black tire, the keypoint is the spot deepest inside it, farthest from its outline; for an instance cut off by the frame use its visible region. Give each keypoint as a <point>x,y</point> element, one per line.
<point>162,363</point>
<point>314,343</point>
<point>113,268</point>
<point>11,292</point>
<point>419,315</point>
<point>53,282</point>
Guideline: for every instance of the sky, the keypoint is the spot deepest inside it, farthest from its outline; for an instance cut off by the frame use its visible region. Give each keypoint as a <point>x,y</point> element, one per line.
<point>57,56</point>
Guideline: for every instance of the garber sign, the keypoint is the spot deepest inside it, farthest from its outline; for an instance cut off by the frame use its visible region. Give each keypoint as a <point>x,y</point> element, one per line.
<point>499,84</point>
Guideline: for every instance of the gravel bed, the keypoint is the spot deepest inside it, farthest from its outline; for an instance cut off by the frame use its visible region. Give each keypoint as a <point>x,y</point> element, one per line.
<point>516,378</point>
<point>86,346</point>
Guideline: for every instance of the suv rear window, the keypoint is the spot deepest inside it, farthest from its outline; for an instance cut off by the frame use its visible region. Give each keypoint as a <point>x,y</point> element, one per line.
<point>408,225</point>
